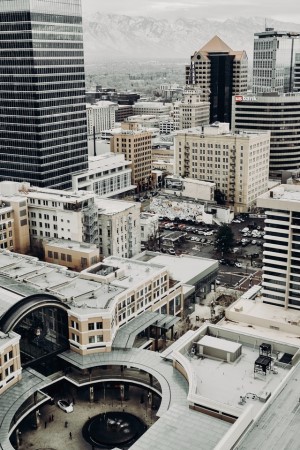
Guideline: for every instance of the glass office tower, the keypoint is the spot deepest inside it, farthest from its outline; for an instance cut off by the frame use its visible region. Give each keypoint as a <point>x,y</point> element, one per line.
<point>43,129</point>
<point>274,59</point>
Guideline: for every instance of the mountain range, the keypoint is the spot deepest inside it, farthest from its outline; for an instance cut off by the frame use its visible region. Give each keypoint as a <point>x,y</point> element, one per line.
<point>113,36</point>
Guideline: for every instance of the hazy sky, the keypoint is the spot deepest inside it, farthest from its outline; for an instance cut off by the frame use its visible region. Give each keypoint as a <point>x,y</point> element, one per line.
<point>286,10</point>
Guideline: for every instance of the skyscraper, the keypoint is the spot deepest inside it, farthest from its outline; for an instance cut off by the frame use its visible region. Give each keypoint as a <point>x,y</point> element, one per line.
<point>281,115</point>
<point>43,128</point>
<point>274,56</point>
<point>281,280</point>
<point>220,72</point>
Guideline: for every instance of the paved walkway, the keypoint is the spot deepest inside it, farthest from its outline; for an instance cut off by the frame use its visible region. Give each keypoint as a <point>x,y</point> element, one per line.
<point>56,435</point>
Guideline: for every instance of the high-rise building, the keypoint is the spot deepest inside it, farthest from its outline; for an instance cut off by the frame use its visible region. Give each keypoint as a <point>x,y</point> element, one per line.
<point>220,72</point>
<point>191,111</point>
<point>281,279</point>
<point>274,61</point>
<point>237,163</point>
<point>43,138</point>
<point>100,116</point>
<point>281,115</point>
<point>136,144</point>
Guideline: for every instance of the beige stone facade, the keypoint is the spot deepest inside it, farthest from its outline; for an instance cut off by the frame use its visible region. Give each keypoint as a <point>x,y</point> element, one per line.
<point>136,145</point>
<point>74,255</point>
<point>10,362</point>
<point>237,163</point>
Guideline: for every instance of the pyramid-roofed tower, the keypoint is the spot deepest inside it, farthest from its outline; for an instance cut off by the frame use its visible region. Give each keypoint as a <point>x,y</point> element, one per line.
<point>216,45</point>
<point>220,73</point>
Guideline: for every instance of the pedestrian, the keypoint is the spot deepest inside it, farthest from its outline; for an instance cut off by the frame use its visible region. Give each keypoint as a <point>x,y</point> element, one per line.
<point>66,424</point>
<point>45,424</point>
<point>52,417</point>
<point>70,435</point>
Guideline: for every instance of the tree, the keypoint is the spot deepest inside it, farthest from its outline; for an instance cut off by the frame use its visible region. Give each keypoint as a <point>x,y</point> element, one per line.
<point>224,239</point>
<point>220,197</point>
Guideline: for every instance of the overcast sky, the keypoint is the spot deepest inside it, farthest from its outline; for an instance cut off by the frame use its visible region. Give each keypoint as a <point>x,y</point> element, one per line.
<point>285,10</point>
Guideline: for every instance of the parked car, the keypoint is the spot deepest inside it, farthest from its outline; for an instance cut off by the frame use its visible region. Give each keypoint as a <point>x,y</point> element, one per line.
<point>66,406</point>
<point>253,242</point>
<point>238,264</point>
<point>236,221</point>
<point>172,251</point>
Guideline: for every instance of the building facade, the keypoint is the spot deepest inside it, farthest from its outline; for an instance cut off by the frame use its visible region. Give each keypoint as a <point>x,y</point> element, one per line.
<point>238,164</point>
<point>74,255</point>
<point>136,145</point>
<point>119,227</point>
<point>220,73</point>
<point>156,108</point>
<point>281,256</point>
<point>281,115</point>
<point>274,61</point>
<point>191,111</point>
<point>42,97</point>
<point>100,116</point>
<point>108,175</point>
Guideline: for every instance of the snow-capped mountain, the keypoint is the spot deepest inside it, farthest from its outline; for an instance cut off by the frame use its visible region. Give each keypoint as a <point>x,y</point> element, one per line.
<point>113,36</point>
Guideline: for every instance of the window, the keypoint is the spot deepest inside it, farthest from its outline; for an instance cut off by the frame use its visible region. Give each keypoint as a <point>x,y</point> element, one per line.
<point>74,324</point>
<point>91,326</point>
<point>69,258</point>
<point>91,339</point>
<point>99,325</point>
<point>63,256</point>
<point>75,337</point>
<point>50,254</point>
<point>55,255</point>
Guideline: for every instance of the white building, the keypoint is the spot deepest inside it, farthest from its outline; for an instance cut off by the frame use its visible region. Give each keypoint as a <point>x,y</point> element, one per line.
<point>237,163</point>
<point>149,226</point>
<point>156,108</point>
<point>108,175</point>
<point>81,217</point>
<point>119,227</point>
<point>281,278</point>
<point>100,116</point>
<point>191,111</point>
<point>190,187</point>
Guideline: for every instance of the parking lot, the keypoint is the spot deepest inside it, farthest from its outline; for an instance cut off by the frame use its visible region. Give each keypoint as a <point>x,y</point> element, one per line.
<point>240,269</point>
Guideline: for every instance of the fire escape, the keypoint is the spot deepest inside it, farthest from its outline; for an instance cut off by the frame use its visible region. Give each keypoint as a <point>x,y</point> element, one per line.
<point>232,176</point>
<point>90,225</point>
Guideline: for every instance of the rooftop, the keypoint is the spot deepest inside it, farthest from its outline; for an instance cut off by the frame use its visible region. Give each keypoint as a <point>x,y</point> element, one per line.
<point>286,196</point>
<point>71,245</point>
<point>134,271</point>
<point>181,268</point>
<point>112,206</point>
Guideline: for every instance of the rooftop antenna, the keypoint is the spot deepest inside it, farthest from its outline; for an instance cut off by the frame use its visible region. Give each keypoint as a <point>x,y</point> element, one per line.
<point>265,24</point>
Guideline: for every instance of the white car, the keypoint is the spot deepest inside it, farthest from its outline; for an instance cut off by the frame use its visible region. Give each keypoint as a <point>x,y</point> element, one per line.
<point>65,406</point>
<point>238,264</point>
<point>245,230</point>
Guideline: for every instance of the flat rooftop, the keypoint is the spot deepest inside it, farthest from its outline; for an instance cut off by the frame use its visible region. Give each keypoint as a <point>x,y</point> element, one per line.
<point>88,294</point>
<point>181,268</point>
<point>112,206</point>
<point>135,271</point>
<point>278,427</point>
<point>71,245</point>
<point>257,318</point>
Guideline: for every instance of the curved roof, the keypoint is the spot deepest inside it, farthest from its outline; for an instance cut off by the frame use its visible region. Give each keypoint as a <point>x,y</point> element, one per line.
<point>26,304</point>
